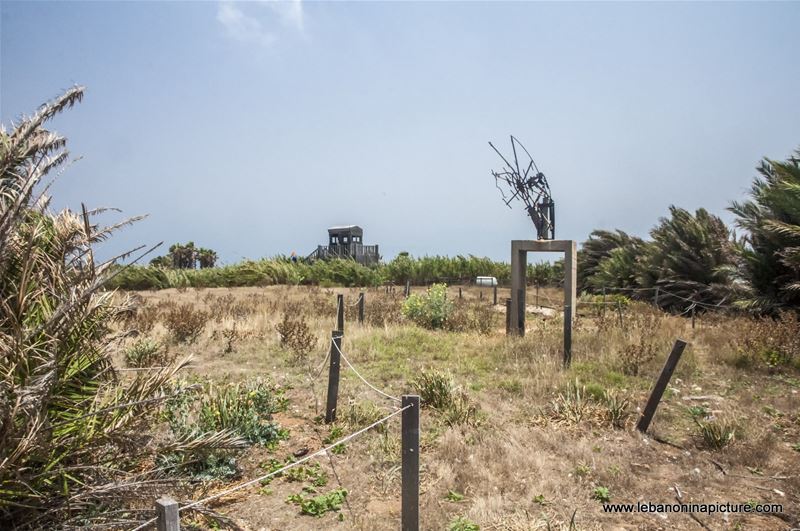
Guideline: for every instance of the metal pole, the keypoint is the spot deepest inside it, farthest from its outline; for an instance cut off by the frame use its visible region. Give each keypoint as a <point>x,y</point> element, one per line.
<point>410,464</point>
<point>333,377</point>
<point>494,299</point>
<point>361,302</point>
<point>661,385</point>
<point>167,517</point>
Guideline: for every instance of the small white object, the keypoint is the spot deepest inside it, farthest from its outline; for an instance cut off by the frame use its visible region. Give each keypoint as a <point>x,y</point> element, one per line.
<point>486,281</point>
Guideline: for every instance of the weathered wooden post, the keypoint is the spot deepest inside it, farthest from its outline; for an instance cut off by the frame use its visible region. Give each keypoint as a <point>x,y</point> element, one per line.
<point>604,301</point>
<point>481,295</point>
<point>508,316</point>
<point>361,302</point>
<point>693,306</point>
<point>537,293</point>
<point>521,309</point>
<point>459,292</point>
<point>333,376</point>
<point>167,517</point>
<point>408,288</point>
<point>619,312</point>
<point>340,313</point>
<point>567,335</point>
<point>661,385</point>
<point>410,464</point>
<point>494,298</point>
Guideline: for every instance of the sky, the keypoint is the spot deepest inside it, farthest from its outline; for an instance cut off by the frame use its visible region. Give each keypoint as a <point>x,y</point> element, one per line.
<point>251,127</point>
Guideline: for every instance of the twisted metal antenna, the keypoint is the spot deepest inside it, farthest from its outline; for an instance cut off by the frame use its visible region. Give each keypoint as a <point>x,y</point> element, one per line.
<point>530,186</point>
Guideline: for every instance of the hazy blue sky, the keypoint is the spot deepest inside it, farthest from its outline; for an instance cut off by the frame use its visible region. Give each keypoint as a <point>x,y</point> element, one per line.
<point>252,127</point>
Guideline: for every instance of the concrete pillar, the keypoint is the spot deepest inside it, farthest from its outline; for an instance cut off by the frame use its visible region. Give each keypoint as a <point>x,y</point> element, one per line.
<point>519,263</point>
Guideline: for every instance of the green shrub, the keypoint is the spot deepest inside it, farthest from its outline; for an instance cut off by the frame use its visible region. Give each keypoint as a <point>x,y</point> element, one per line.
<point>243,409</point>
<point>147,353</point>
<point>461,523</point>
<point>435,388</point>
<point>438,391</point>
<point>319,505</point>
<point>716,433</point>
<point>601,494</point>
<point>430,309</point>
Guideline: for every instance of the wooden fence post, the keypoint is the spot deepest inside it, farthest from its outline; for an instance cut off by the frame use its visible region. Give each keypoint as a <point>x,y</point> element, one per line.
<point>508,316</point>
<point>167,517</point>
<point>521,309</point>
<point>604,301</point>
<point>333,377</point>
<point>661,385</point>
<point>494,299</point>
<point>410,464</point>
<point>619,312</point>
<point>340,313</point>
<point>567,335</point>
<point>408,288</point>
<point>459,292</point>
<point>361,302</point>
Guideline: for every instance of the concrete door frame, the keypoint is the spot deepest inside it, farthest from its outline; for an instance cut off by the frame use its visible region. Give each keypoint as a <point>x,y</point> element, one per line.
<point>519,265</point>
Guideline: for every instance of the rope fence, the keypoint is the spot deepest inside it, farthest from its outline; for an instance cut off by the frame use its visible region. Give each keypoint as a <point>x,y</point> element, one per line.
<point>320,452</point>
<point>168,510</point>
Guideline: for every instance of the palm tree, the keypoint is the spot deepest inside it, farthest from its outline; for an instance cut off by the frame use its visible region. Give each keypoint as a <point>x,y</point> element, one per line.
<point>770,251</point>
<point>597,248</point>
<point>72,435</point>
<point>691,257</point>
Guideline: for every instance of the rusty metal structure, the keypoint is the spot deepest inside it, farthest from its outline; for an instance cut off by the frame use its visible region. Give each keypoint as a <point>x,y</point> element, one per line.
<point>526,183</point>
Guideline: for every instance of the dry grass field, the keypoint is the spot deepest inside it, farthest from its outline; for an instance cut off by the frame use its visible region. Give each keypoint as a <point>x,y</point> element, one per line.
<point>523,444</point>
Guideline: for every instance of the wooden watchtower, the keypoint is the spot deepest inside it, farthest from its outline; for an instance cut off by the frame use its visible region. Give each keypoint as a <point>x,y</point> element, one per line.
<point>347,242</point>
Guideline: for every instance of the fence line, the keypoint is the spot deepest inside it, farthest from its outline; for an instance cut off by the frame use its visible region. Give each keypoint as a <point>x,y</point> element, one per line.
<point>362,378</point>
<point>321,451</point>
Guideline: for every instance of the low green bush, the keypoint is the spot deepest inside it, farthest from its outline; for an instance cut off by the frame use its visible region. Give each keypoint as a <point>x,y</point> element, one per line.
<point>430,309</point>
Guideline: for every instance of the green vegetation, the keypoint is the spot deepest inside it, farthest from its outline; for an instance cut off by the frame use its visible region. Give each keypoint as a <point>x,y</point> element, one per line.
<point>430,309</point>
<point>716,433</point>
<point>319,505</point>
<point>601,494</point>
<point>454,496</point>
<point>281,270</point>
<point>770,250</point>
<point>146,353</point>
<point>461,523</point>
<point>438,391</point>
<point>74,434</point>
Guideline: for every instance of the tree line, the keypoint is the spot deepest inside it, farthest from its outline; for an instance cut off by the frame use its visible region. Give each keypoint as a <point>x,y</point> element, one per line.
<point>695,256</point>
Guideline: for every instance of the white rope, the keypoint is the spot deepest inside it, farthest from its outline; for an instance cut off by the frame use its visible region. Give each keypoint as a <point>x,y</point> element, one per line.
<point>390,397</point>
<point>320,452</point>
<point>360,296</point>
<point>151,368</point>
